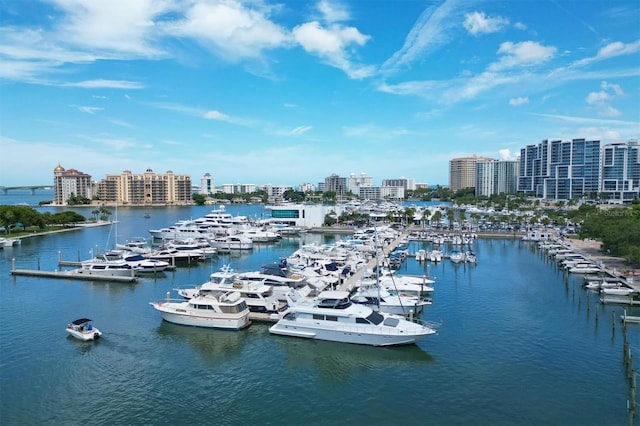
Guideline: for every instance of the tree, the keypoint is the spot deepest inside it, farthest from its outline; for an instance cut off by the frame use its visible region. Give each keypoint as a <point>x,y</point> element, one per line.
<point>199,199</point>
<point>330,219</point>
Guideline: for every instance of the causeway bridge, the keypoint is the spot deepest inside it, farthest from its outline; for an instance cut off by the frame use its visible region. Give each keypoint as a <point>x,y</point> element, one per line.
<point>5,189</point>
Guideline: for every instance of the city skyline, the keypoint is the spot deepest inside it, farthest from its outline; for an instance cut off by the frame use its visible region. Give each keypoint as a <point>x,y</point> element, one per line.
<point>289,92</point>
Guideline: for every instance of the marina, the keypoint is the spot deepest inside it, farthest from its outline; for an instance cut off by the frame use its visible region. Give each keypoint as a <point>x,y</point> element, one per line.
<point>508,325</point>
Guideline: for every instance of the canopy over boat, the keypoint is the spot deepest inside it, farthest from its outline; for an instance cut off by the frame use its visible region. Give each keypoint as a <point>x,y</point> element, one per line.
<point>81,321</point>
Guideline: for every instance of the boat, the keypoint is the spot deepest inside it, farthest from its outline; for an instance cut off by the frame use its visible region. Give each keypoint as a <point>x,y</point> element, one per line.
<point>174,257</point>
<point>378,298</point>
<point>101,265</point>
<point>141,264</point>
<point>258,295</point>
<point>83,329</point>
<point>228,243</point>
<point>135,245</point>
<point>456,256</point>
<point>147,216</point>
<point>223,309</point>
<point>333,316</point>
<point>9,242</point>
<point>470,257</point>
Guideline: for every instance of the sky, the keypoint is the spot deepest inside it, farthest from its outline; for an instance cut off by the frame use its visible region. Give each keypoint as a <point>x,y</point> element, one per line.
<point>289,92</point>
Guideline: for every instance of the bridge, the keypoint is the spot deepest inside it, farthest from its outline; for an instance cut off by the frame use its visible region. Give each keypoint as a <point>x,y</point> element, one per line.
<point>5,189</point>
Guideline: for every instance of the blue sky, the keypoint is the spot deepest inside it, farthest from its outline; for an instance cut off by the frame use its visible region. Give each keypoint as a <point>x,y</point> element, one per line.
<point>288,92</point>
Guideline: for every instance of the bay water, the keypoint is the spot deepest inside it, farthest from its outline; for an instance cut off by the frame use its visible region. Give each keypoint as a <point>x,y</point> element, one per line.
<point>519,343</point>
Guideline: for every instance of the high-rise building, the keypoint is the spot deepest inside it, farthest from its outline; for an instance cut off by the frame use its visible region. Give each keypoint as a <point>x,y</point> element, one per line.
<point>560,170</point>
<point>496,177</point>
<point>406,184</point>
<point>620,176</point>
<point>146,188</point>
<point>354,182</point>
<point>207,184</point>
<point>70,182</point>
<point>335,183</point>
<point>462,172</point>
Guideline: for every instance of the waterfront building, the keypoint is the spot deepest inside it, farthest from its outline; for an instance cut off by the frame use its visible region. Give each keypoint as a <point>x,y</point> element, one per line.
<point>207,184</point>
<point>307,187</point>
<point>620,175</point>
<point>381,192</point>
<point>146,188</point>
<point>560,170</point>
<point>496,177</point>
<point>70,182</point>
<point>462,172</point>
<point>229,188</point>
<point>406,184</point>
<point>301,215</point>
<point>335,184</point>
<point>355,182</point>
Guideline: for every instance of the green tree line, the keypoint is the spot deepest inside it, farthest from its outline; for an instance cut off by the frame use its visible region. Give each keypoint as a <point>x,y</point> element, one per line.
<point>23,218</point>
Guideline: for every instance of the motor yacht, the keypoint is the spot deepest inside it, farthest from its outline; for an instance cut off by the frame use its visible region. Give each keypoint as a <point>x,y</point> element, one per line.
<point>223,309</point>
<point>333,316</point>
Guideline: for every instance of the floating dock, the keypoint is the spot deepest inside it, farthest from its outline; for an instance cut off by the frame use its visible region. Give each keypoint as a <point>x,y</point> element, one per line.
<point>629,318</point>
<point>72,275</point>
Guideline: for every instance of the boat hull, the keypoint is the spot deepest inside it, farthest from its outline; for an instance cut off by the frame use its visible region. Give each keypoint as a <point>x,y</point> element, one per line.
<point>93,334</point>
<point>185,317</point>
<point>354,335</point>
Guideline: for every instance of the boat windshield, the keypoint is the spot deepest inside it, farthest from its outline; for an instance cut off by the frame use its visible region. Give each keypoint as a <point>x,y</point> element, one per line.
<point>375,318</point>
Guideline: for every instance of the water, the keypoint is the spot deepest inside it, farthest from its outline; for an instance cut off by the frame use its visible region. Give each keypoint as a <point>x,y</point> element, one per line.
<point>519,344</point>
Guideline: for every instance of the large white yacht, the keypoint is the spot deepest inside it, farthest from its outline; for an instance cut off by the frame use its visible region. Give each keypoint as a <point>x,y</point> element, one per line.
<point>332,316</point>
<point>226,310</point>
<point>258,295</point>
<point>378,298</point>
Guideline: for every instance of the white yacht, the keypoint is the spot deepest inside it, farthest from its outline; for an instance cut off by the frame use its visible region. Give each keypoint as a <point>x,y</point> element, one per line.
<point>332,316</point>
<point>137,261</point>
<point>101,265</point>
<point>226,310</point>
<point>378,298</point>
<point>258,295</point>
<point>228,243</point>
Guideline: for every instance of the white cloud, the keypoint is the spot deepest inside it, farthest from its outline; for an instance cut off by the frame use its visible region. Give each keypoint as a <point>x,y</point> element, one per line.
<point>601,100</point>
<point>216,115</point>
<point>120,26</point>
<point>433,29</point>
<point>520,26</point>
<point>479,23</point>
<point>617,48</point>
<point>87,109</point>
<point>230,29</point>
<point>521,54</point>
<point>519,101</point>
<point>333,12</point>
<point>105,84</point>
<point>505,154</point>
<point>331,43</point>
<point>597,97</point>
<point>294,132</point>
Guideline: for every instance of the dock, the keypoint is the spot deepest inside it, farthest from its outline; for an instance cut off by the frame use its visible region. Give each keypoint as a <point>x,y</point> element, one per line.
<point>629,318</point>
<point>72,275</point>
<point>350,283</point>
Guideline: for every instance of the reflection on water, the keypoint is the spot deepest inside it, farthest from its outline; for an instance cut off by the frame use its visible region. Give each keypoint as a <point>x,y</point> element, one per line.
<point>212,344</point>
<point>340,361</point>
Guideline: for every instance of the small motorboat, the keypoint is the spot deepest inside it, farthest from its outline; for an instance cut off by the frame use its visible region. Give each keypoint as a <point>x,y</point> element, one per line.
<point>83,329</point>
